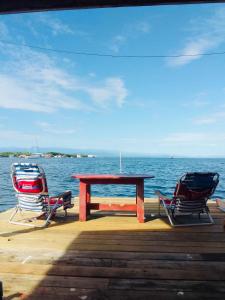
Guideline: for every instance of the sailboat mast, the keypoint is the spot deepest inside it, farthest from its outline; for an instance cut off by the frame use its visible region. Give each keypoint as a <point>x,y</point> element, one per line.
<point>120,162</point>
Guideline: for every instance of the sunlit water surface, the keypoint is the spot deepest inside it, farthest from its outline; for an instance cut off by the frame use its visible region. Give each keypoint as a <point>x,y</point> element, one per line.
<point>59,171</point>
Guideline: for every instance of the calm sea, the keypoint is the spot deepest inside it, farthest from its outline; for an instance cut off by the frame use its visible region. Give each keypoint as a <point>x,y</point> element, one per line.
<point>59,170</point>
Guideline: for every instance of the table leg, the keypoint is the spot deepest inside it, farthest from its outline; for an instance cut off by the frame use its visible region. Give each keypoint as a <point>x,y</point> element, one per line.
<point>83,202</point>
<point>88,198</point>
<point>136,198</point>
<point>140,201</point>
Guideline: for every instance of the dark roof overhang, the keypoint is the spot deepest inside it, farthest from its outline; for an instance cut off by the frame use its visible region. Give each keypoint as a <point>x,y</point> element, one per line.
<point>18,6</point>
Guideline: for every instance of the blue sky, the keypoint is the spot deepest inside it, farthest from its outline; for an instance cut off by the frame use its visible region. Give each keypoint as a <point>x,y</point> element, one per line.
<point>172,106</point>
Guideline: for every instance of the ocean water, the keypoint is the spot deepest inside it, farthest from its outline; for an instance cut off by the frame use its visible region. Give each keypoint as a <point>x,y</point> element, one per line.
<point>59,170</point>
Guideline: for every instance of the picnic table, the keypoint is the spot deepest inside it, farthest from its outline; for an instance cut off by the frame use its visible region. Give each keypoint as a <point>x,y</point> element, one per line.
<point>86,180</point>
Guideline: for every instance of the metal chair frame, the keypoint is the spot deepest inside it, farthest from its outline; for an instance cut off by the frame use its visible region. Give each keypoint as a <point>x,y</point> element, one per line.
<point>180,205</point>
<point>41,204</point>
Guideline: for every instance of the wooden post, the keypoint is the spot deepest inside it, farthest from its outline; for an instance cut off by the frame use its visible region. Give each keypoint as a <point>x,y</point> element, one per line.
<point>83,201</point>
<point>136,198</point>
<point>140,201</point>
<point>88,198</point>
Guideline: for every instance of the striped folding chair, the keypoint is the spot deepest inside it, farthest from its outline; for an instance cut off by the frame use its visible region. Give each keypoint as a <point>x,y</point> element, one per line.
<point>190,198</point>
<point>29,182</point>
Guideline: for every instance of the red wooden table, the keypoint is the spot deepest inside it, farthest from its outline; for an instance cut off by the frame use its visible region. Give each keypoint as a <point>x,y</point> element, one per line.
<point>86,180</point>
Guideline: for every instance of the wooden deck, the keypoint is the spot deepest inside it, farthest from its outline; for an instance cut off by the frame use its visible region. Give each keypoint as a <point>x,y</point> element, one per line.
<point>113,257</point>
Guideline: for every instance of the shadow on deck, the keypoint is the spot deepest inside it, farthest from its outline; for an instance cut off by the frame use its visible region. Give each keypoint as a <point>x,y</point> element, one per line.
<point>113,257</point>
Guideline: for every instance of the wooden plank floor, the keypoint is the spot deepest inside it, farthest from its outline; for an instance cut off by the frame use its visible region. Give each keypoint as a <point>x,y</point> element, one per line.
<point>113,257</point>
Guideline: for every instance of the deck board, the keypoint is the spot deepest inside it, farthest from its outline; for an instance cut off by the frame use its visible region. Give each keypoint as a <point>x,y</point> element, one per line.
<point>112,256</point>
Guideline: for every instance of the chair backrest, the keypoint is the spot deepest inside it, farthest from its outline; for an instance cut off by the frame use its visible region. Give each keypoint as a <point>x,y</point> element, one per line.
<point>32,202</point>
<point>196,185</point>
<point>29,178</point>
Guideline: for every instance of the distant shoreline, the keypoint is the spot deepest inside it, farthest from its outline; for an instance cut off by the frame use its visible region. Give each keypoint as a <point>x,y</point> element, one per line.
<point>44,155</point>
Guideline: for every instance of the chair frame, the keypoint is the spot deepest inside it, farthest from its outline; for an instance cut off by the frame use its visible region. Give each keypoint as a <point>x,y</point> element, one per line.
<point>50,210</point>
<point>170,208</point>
<point>170,205</point>
<point>48,204</point>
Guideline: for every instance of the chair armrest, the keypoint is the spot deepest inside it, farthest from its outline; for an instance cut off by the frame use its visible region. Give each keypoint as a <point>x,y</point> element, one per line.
<point>220,204</point>
<point>63,199</point>
<point>166,201</point>
<point>67,195</point>
<point>162,196</point>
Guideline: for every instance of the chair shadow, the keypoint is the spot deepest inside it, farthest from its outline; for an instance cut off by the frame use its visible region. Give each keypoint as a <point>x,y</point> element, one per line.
<point>58,221</point>
<point>101,214</point>
<point>100,263</point>
<point>14,296</point>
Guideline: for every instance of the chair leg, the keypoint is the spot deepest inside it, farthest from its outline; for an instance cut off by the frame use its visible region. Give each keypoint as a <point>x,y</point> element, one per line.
<point>209,215</point>
<point>159,206</point>
<point>13,214</point>
<point>170,214</point>
<point>169,217</point>
<point>1,290</point>
<point>193,224</point>
<point>11,220</point>
<point>210,218</point>
<point>47,221</point>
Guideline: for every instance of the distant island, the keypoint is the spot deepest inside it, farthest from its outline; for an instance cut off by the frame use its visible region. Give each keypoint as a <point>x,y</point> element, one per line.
<point>43,155</point>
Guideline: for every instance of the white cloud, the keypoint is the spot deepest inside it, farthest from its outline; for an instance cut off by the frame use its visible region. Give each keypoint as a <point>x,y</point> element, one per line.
<point>49,24</point>
<point>130,31</point>
<point>117,42</point>
<point>192,139</point>
<point>112,90</point>
<point>203,121</point>
<point>195,48</point>
<point>213,118</point>
<point>143,27</point>
<point>199,101</point>
<point>14,137</point>
<point>33,81</point>
<point>185,137</point>
<point>56,26</point>
<point>206,35</point>
<point>59,28</point>
<point>54,128</point>
<point>24,93</point>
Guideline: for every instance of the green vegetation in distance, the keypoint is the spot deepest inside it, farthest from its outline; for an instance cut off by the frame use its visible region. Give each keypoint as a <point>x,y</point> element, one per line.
<point>45,155</point>
<point>57,154</point>
<point>15,154</point>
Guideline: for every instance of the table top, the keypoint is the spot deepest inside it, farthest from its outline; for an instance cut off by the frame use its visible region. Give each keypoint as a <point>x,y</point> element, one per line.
<point>112,176</point>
